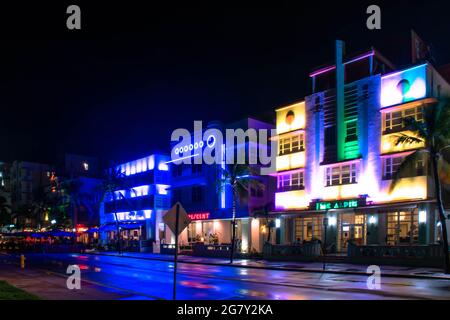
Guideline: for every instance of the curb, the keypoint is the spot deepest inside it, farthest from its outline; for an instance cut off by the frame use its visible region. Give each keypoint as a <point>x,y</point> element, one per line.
<point>387,275</point>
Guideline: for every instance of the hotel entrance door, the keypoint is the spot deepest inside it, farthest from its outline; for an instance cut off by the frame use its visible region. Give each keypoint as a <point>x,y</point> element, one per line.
<point>351,228</point>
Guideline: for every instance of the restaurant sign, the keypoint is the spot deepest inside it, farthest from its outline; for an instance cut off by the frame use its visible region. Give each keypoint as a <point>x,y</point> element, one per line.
<point>338,204</point>
<point>198,215</point>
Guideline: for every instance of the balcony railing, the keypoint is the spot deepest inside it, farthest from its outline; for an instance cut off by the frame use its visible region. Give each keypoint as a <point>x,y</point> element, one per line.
<point>290,188</point>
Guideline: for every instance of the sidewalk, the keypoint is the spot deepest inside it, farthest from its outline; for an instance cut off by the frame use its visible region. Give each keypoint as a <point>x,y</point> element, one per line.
<point>52,286</point>
<point>317,267</point>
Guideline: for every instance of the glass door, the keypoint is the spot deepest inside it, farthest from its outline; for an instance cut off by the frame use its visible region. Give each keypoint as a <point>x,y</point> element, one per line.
<point>352,228</point>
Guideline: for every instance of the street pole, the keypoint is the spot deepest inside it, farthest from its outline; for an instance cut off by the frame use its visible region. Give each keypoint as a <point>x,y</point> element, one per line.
<point>176,253</point>
<point>325,224</point>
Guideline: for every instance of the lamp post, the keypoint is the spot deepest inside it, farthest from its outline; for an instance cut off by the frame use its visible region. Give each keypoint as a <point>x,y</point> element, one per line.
<point>324,249</point>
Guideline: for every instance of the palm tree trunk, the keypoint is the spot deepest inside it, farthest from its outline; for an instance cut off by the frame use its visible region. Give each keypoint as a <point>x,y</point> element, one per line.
<point>233,230</point>
<point>117,226</point>
<point>442,219</point>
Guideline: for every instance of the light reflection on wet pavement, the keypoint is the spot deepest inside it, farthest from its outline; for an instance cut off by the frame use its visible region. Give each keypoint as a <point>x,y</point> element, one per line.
<point>150,279</point>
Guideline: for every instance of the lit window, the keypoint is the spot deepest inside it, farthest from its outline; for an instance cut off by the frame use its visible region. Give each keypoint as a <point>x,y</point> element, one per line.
<point>394,121</point>
<point>294,143</point>
<point>290,181</point>
<point>390,166</point>
<point>344,174</point>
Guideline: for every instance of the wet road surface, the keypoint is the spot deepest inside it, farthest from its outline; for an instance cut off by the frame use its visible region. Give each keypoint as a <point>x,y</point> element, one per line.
<point>149,279</point>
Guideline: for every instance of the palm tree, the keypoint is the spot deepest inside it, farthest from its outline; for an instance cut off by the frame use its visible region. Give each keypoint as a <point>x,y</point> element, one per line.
<point>5,212</point>
<point>264,212</point>
<point>434,133</point>
<point>71,197</point>
<point>239,177</point>
<point>112,183</point>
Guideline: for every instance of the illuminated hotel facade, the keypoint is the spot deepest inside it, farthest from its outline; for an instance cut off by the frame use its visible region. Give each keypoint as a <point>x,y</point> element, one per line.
<point>209,207</point>
<point>337,155</point>
<point>139,205</point>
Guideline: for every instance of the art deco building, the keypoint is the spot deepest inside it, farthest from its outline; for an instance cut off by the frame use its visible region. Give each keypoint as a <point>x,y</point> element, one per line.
<point>337,155</point>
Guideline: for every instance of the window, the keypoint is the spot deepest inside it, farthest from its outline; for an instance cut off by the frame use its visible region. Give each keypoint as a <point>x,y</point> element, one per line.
<point>394,121</point>
<point>291,144</point>
<point>351,131</point>
<point>337,175</point>
<point>391,165</point>
<point>177,170</point>
<point>196,168</point>
<point>197,194</point>
<point>291,181</point>
<point>257,191</point>
<point>307,229</point>
<point>402,228</point>
<point>177,195</point>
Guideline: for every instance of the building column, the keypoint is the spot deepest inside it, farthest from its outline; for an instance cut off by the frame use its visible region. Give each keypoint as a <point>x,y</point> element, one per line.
<point>372,228</point>
<point>245,235</point>
<point>332,232</point>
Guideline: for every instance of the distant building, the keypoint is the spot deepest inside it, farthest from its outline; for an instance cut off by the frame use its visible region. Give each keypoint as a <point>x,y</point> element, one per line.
<point>79,177</point>
<point>5,182</point>
<point>74,165</point>
<point>28,181</point>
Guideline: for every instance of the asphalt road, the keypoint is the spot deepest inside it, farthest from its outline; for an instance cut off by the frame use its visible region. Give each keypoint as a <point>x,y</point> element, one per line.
<point>147,279</point>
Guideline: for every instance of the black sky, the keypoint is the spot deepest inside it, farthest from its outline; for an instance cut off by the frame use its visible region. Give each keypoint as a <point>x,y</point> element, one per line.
<point>117,88</point>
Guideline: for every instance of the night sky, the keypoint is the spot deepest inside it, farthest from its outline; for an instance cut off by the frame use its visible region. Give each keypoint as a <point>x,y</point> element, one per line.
<point>118,87</point>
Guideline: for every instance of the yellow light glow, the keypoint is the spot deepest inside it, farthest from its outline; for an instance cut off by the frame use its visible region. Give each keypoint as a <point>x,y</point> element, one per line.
<point>406,189</point>
<point>263,229</point>
<point>344,191</point>
<point>292,200</point>
<point>388,143</point>
<point>291,161</point>
<point>299,118</point>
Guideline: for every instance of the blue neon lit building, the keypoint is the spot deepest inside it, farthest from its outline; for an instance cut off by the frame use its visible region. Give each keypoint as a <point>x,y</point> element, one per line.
<point>143,197</point>
<point>210,208</point>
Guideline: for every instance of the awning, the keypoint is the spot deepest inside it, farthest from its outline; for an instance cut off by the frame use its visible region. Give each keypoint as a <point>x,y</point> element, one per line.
<point>122,225</point>
<point>108,227</point>
<point>131,226</point>
<point>369,208</point>
<point>59,233</point>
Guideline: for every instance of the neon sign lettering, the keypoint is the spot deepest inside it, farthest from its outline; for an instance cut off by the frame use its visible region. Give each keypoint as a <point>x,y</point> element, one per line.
<point>338,204</point>
<point>199,216</point>
<point>210,142</point>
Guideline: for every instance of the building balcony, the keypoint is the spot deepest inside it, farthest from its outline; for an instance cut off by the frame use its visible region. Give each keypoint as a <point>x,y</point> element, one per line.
<point>290,188</point>
<point>291,161</point>
<point>291,200</point>
<point>131,204</point>
<point>408,188</point>
<point>412,84</point>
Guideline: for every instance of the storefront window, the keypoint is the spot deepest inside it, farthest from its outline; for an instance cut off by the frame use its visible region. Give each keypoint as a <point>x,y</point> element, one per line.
<point>307,229</point>
<point>402,228</point>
